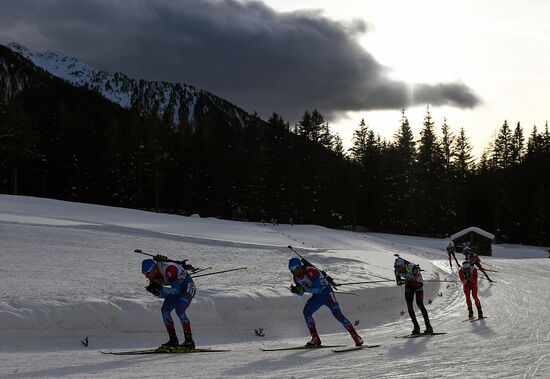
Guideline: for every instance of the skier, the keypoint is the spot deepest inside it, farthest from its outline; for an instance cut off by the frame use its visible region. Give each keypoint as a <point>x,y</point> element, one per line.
<point>310,279</point>
<point>474,260</point>
<point>451,252</point>
<point>409,274</point>
<point>466,250</point>
<point>468,277</point>
<point>170,281</point>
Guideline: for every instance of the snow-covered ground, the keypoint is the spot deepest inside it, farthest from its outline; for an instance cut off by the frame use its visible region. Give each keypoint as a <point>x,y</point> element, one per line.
<point>68,271</point>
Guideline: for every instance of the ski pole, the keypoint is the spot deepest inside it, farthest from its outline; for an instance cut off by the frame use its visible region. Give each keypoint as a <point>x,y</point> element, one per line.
<point>219,272</point>
<point>367,282</point>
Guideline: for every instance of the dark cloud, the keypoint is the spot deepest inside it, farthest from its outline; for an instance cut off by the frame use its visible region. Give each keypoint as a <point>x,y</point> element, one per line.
<point>246,52</point>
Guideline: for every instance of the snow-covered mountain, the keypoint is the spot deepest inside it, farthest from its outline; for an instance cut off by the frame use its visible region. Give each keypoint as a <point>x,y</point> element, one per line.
<point>16,74</point>
<point>178,102</point>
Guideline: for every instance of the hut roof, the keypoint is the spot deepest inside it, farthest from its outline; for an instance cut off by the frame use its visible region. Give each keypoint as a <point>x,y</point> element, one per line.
<point>475,230</point>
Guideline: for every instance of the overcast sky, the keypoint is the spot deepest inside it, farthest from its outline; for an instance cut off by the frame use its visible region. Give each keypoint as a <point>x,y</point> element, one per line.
<point>476,65</point>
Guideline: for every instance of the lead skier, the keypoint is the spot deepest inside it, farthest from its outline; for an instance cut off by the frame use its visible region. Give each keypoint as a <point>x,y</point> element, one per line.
<point>171,281</point>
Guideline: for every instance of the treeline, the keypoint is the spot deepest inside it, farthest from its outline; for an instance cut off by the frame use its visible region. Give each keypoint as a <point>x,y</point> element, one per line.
<point>433,186</point>
<point>64,142</point>
<point>68,143</point>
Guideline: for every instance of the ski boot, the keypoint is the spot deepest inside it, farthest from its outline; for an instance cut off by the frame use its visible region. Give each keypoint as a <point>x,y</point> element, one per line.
<point>173,342</point>
<point>188,343</point>
<point>479,313</point>
<point>429,329</point>
<point>470,313</point>
<point>415,331</point>
<point>357,339</point>
<point>315,341</point>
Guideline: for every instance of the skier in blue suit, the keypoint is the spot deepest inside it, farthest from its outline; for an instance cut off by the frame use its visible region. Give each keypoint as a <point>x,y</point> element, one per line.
<point>170,281</point>
<point>310,279</point>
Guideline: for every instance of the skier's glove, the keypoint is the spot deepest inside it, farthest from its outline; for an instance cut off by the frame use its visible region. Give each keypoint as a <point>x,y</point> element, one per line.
<point>400,281</point>
<point>160,258</point>
<point>298,290</point>
<point>153,288</point>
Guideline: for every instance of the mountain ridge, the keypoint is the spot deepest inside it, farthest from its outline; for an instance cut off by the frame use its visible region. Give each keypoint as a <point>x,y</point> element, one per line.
<point>180,104</point>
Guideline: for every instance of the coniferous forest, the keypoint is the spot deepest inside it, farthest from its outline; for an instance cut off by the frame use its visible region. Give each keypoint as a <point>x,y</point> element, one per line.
<point>69,143</point>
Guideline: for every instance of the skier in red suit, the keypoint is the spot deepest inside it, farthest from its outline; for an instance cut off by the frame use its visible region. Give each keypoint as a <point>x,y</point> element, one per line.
<point>468,277</point>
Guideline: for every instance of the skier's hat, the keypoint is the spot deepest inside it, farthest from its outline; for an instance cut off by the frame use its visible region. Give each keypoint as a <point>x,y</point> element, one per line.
<point>147,265</point>
<point>294,263</point>
<point>399,262</point>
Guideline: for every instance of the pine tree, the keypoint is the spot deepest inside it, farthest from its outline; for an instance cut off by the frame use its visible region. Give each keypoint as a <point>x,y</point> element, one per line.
<point>463,164</point>
<point>502,150</point>
<point>326,138</point>
<point>366,152</point>
<point>546,138</point>
<point>463,160</point>
<point>399,179</point>
<point>428,192</point>
<point>518,148</point>
<point>338,146</point>
<point>314,128</point>
<point>535,144</point>
<point>447,145</point>
<point>306,128</point>
<point>404,143</point>
<point>359,143</point>
<point>504,196</point>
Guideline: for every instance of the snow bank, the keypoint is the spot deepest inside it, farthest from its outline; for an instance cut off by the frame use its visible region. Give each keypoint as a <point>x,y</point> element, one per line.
<point>69,268</point>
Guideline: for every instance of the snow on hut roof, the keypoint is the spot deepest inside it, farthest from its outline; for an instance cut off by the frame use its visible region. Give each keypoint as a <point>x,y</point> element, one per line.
<point>472,229</point>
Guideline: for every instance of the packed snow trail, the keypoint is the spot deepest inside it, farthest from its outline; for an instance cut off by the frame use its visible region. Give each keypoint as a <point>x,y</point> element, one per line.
<point>68,271</point>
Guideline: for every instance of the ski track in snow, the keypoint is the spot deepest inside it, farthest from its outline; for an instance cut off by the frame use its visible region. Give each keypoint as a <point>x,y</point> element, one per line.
<point>65,276</point>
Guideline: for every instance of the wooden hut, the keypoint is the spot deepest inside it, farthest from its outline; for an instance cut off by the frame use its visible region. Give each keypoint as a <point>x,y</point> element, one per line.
<point>480,240</point>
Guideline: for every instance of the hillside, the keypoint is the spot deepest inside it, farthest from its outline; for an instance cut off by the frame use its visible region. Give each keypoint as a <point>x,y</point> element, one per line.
<point>179,103</point>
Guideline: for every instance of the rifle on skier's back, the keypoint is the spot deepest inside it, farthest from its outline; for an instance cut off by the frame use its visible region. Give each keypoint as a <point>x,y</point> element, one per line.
<point>163,258</point>
<point>308,263</point>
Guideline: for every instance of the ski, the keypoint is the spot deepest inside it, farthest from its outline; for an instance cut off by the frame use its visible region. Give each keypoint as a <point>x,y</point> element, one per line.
<point>475,319</point>
<point>478,318</point>
<point>303,347</point>
<point>421,335</point>
<point>353,348</point>
<point>162,351</point>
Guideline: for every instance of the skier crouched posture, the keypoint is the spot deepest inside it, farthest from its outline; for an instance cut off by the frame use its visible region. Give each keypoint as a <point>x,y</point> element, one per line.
<point>409,274</point>
<point>468,277</point>
<point>170,281</point>
<point>310,279</point>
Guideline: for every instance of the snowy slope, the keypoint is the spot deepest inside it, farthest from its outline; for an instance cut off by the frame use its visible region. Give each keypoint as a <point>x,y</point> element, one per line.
<point>183,103</point>
<point>68,270</point>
